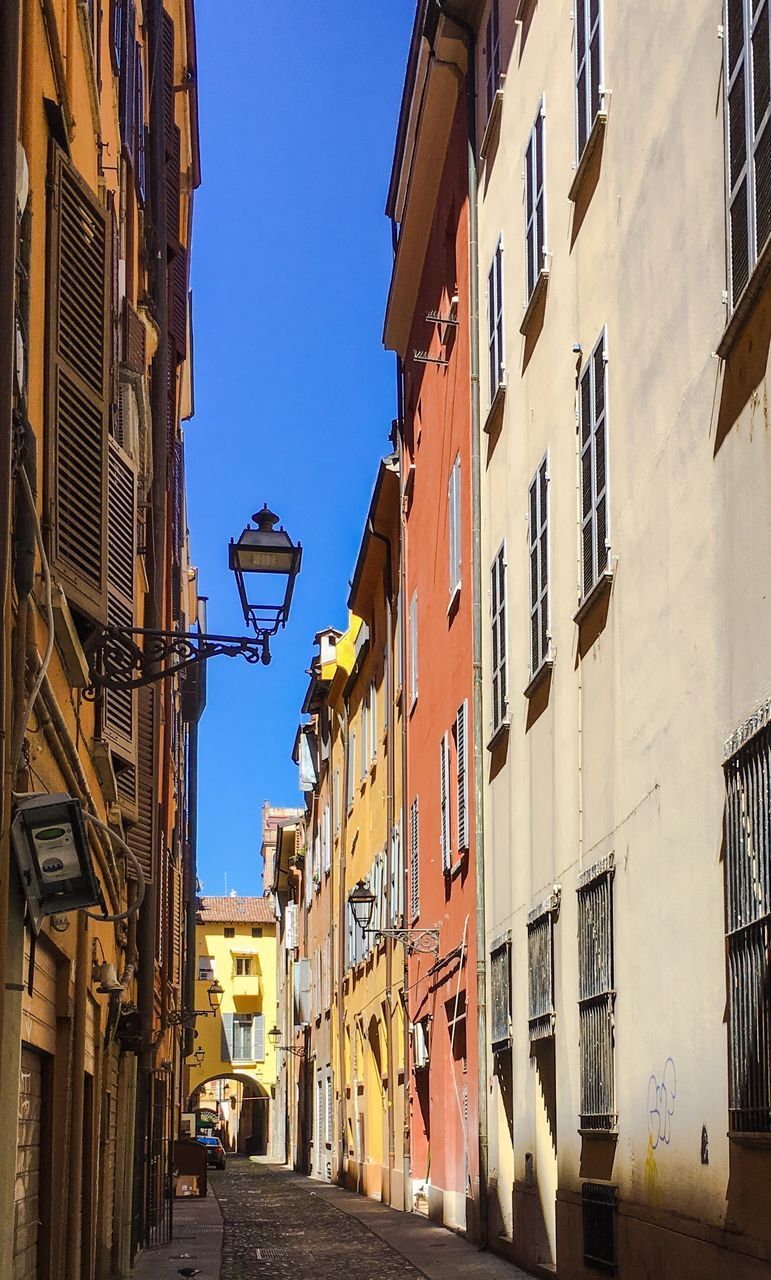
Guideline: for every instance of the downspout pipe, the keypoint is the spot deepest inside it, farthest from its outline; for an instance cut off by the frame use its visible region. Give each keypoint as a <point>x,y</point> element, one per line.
<point>188,999</point>
<point>476,584</point>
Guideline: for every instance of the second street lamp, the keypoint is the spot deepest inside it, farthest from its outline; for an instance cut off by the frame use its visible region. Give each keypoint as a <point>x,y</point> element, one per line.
<point>121,657</point>
<point>361,901</point>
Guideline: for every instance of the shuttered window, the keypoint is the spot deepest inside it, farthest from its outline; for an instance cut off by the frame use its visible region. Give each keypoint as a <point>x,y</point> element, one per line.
<point>444,803</point>
<point>538,530</point>
<point>461,756</point>
<point>258,1037</point>
<point>141,837</point>
<point>364,764</point>
<point>500,995</point>
<point>500,708</point>
<point>414,861</point>
<point>178,303</point>
<point>140,167</point>
<point>453,506</point>
<point>351,769</point>
<point>592,416</point>
<point>167,49</point>
<point>540,973</point>
<point>747,870</point>
<point>747,78</point>
<point>397,875</point>
<point>78,387</point>
<point>173,176</point>
<point>497,372</point>
<point>535,201</point>
<point>492,53</point>
<point>326,840</point>
<point>589,53</point>
<point>119,705</point>
<point>596,996</point>
<point>413,655</point>
<point>127,84</point>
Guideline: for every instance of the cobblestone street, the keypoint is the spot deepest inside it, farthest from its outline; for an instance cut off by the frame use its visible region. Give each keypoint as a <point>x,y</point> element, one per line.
<point>279,1225</point>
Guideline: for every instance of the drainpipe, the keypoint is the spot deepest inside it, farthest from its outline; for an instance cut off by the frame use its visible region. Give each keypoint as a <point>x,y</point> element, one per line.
<point>188,998</point>
<point>342,917</point>
<point>389,956</point>
<point>476,584</point>
<point>77,1103</point>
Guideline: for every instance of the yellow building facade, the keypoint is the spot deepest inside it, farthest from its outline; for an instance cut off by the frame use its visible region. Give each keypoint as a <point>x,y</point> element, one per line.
<point>236,948</point>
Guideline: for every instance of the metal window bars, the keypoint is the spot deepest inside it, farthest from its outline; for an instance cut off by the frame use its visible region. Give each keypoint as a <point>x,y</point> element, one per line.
<point>596,996</point>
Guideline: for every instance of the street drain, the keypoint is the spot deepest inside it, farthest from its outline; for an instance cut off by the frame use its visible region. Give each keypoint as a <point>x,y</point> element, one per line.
<point>274,1255</point>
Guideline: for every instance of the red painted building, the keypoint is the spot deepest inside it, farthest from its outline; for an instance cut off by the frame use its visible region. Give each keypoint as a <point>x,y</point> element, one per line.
<point>427,324</point>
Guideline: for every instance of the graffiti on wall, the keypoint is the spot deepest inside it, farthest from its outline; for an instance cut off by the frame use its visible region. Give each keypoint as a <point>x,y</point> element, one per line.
<point>661,1105</point>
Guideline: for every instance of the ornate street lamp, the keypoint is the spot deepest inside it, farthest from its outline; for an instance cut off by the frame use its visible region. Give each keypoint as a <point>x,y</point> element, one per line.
<point>186,1017</point>
<point>127,657</point>
<point>199,1056</point>
<point>361,900</point>
<point>274,1035</point>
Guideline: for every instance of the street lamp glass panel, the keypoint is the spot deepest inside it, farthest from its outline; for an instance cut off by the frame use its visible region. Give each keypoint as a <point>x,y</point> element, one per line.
<point>271,553</point>
<point>362,901</point>
<point>199,1056</point>
<point>216,991</point>
<point>274,1035</point>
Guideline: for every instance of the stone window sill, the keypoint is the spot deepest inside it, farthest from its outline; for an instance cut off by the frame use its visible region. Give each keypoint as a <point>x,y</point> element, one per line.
<point>539,290</point>
<point>600,589</point>
<point>492,119</point>
<point>592,142</point>
<point>540,677</point>
<point>496,407</point>
<point>500,733</point>
<point>746,304</point>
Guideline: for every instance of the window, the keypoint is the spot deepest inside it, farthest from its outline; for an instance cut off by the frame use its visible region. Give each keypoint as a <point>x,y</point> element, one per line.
<point>444,802</point>
<point>372,723</point>
<point>421,1036</point>
<point>256,931</point>
<point>414,648</point>
<point>330,1111</point>
<point>461,758</point>
<point>414,855</point>
<point>396,866</point>
<point>535,202</point>
<point>747,840</point>
<point>495,321</point>
<point>588,44</point>
<point>493,54</point>
<point>206,968</point>
<point>242,1037</point>
<point>243,966</point>
<point>229,931</point>
<point>540,972</point>
<point>595,534</point>
<point>748,138</point>
<point>538,520</point>
<point>326,840</point>
<point>356,940</point>
<point>351,769</point>
<point>453,507</point>
<point>598,1210</point>
<point>292,923</point>
<point>398,649</point>
<point>595,989</point>
<point>500,994</point>
<point>364,737</point>
<point>498,626</point>
<point>336,799</point>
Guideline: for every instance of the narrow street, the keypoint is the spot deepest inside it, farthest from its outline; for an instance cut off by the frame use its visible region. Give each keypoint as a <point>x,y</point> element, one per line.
<point>279,1225</point>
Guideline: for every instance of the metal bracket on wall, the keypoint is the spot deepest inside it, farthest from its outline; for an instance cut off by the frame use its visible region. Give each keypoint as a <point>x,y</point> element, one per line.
<point>117,660</point>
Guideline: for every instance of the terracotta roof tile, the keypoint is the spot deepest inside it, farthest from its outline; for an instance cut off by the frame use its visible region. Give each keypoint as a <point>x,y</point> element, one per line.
<point>232,910</point>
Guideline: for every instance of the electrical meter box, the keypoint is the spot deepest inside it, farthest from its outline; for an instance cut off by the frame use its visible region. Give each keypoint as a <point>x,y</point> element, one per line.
<point>53,856</point>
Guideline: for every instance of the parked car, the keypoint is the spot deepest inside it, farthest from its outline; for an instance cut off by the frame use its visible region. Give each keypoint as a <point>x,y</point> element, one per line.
<point>215,1152</point>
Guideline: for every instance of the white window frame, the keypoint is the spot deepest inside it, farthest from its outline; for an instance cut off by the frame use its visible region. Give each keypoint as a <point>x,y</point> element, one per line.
<point>240,1020</point>
<point>539,566</point>
<point>499,662</point>
<point>754,137</point>
<point>454,530</point>
<point>445,834</point>
<point>536,256</point>
<point>413,623</point>
<point>372,722</point>
<point>583,62</point>
<point>496,367</point>
<point>594,496</point>
<point>492,54</point>
<point>244,972</point>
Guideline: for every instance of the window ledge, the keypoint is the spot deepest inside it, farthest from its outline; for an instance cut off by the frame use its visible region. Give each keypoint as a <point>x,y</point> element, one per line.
<point>539,291</point>
<point>454,600</point>
<point>457,866</point>
<point>492,119</point>
<point>750,1139</point>
<point>592,142</point>
<point>600,589</point>
<point>501,1046</point>
<point>746,304</point>
<point>500,733</point>
<point>496,408</point>
<point>607,1135</point>
<point>540,677</point>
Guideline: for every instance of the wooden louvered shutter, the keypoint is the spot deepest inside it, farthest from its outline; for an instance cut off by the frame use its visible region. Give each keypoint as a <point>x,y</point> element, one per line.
<point>119,711</point>
<point>461,742</point>
<point>178,303</point>
<point>134,343</point>
<point>167,42</point>
<point>176,923</point>
<point>127,90</point>
<point>79,350</point>
<point>172,187</point>
<point>444,802</point>
<point>258,1037</point>
<point>141,838</point>
<point>414,856</point>
<point>140,167</point>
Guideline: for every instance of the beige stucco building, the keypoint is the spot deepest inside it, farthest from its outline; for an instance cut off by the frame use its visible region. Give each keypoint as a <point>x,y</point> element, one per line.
<point>626,492</point>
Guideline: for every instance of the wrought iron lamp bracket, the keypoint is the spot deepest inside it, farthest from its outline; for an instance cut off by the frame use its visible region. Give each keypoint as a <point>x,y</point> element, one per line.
<point>414,941</point>
<point>290,1048</point>
<point>129,657</point>
<point>186,1017</point>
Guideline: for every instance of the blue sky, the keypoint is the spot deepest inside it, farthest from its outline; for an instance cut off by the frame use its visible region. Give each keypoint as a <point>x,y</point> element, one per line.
<point>294,393</point>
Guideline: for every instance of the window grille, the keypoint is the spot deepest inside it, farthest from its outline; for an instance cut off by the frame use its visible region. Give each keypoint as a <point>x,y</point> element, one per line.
<point>589,55</point>
<point>495,320</point>
<point>413,648</point>
<point>748,137</point>
<point>535,202</point>
<point>540,972</point>
<point>596,994</point>
<point>461,752</point>
<point>598,1204</point>
<point>595,535</point>
<point>453,506</point>
<point>747,827</point>
<point>493,54</point>
<point>500,995</point>
<point>498,625</point>
<point>539,567</point>
<point>414,860</point>
<point>444,802</point>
